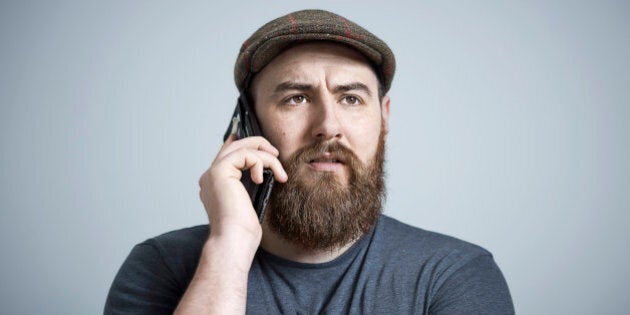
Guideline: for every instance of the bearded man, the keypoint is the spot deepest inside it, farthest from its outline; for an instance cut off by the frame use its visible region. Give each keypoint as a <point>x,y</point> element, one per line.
<point>318,83</point>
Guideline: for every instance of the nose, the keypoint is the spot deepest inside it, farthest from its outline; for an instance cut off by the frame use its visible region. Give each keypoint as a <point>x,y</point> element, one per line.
<point>325,120</point>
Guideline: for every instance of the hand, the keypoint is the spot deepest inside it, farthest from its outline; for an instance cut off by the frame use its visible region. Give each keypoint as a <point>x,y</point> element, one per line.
<point>220,281</point>
<point>225,199</point>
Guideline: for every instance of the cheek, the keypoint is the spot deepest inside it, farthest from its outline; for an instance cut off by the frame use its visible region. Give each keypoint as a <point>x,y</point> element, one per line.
<point>285,136</point>
<point>363,134</point>
<point>276,129</point>
<point>367,146</point>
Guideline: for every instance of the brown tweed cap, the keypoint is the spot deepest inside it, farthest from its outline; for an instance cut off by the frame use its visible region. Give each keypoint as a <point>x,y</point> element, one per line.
<point>310,25</point>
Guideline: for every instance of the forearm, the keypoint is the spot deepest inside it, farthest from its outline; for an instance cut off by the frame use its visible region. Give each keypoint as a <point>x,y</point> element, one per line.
<point>220,282</point>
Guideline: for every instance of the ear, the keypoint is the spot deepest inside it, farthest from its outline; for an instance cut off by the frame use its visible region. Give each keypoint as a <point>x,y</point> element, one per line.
<point>385,113</point>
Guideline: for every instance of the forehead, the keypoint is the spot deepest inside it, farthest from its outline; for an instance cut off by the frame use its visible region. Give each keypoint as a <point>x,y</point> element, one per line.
<point>300,62</point>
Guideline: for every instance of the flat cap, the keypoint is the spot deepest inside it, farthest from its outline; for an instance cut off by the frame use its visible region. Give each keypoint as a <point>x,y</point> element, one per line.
<point>310,25</point>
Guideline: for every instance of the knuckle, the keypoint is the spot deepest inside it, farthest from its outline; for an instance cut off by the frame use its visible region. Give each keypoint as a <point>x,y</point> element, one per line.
<point>203,180</point>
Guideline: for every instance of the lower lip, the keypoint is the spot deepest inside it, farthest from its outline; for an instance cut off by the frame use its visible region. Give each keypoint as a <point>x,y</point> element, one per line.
<point>326,166</point>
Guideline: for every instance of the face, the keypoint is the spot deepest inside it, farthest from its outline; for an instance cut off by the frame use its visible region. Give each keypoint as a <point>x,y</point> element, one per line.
<point>321,92</point>
<point>319,105</point>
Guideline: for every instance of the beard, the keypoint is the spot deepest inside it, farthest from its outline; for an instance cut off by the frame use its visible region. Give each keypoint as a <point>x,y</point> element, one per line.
<point>322,212</point>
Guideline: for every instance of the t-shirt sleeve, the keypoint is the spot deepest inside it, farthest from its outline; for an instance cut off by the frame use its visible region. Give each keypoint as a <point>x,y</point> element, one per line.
<point>144,284</point>
<point>478,287</point>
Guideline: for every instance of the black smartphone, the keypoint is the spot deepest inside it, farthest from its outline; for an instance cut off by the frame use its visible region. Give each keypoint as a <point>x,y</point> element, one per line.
<point>244,124</point>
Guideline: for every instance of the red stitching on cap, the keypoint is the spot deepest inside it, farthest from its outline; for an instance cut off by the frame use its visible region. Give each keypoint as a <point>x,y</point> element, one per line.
<point>293,24</point>
<point>349,33</point>
<point>345,24</point>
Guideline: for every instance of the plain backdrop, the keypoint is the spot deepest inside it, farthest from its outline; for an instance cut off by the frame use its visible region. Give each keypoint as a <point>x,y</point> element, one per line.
<point>509,129</point>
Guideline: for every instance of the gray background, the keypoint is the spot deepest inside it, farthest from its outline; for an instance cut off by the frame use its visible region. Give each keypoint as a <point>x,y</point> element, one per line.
<point>509,130</point>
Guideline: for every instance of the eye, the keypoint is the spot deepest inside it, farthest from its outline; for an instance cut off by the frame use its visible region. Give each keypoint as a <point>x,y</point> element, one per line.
<point>350,100</point>
<point>295,100</point>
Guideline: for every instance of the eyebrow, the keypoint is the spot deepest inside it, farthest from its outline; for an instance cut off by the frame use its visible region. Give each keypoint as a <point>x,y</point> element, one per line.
<point>351,87</point>
<point>291,85</point>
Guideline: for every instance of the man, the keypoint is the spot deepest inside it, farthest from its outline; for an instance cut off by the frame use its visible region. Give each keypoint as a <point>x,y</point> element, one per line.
<point>318,83</point>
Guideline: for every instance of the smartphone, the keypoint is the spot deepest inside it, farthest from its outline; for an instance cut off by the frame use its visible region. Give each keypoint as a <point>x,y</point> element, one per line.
<point>244,124</point>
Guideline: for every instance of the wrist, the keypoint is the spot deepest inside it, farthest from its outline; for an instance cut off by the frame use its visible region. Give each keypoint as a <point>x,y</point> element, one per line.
<point>231,249</point>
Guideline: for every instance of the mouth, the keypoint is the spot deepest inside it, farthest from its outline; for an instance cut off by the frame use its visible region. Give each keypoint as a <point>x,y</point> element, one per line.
<point>326,158</point>
<point>327,162</point>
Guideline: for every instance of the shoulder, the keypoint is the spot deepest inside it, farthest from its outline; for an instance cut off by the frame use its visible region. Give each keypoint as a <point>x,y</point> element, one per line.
<point>459,277</point>
<point>395,235</point>
<point>412,250</point>
<point>180,240</point>
<point>175,254</point>
<point>156,273</point>
<point>180,248</point>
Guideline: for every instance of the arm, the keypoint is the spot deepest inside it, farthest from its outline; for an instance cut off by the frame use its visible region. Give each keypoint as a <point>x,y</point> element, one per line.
<point>478,287</point>
<point>220,282</point>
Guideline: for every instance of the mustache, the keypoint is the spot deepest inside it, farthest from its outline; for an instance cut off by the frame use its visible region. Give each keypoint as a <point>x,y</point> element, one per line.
<point>316,150</point>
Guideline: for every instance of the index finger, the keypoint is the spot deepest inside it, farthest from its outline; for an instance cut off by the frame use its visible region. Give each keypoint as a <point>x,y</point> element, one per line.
<point>257,143</point>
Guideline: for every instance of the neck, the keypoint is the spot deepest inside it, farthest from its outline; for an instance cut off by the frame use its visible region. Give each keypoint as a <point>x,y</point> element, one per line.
<point>275,244</point>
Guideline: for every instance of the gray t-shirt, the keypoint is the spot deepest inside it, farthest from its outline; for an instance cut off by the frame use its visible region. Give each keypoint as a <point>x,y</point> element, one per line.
<point>394,269</point>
